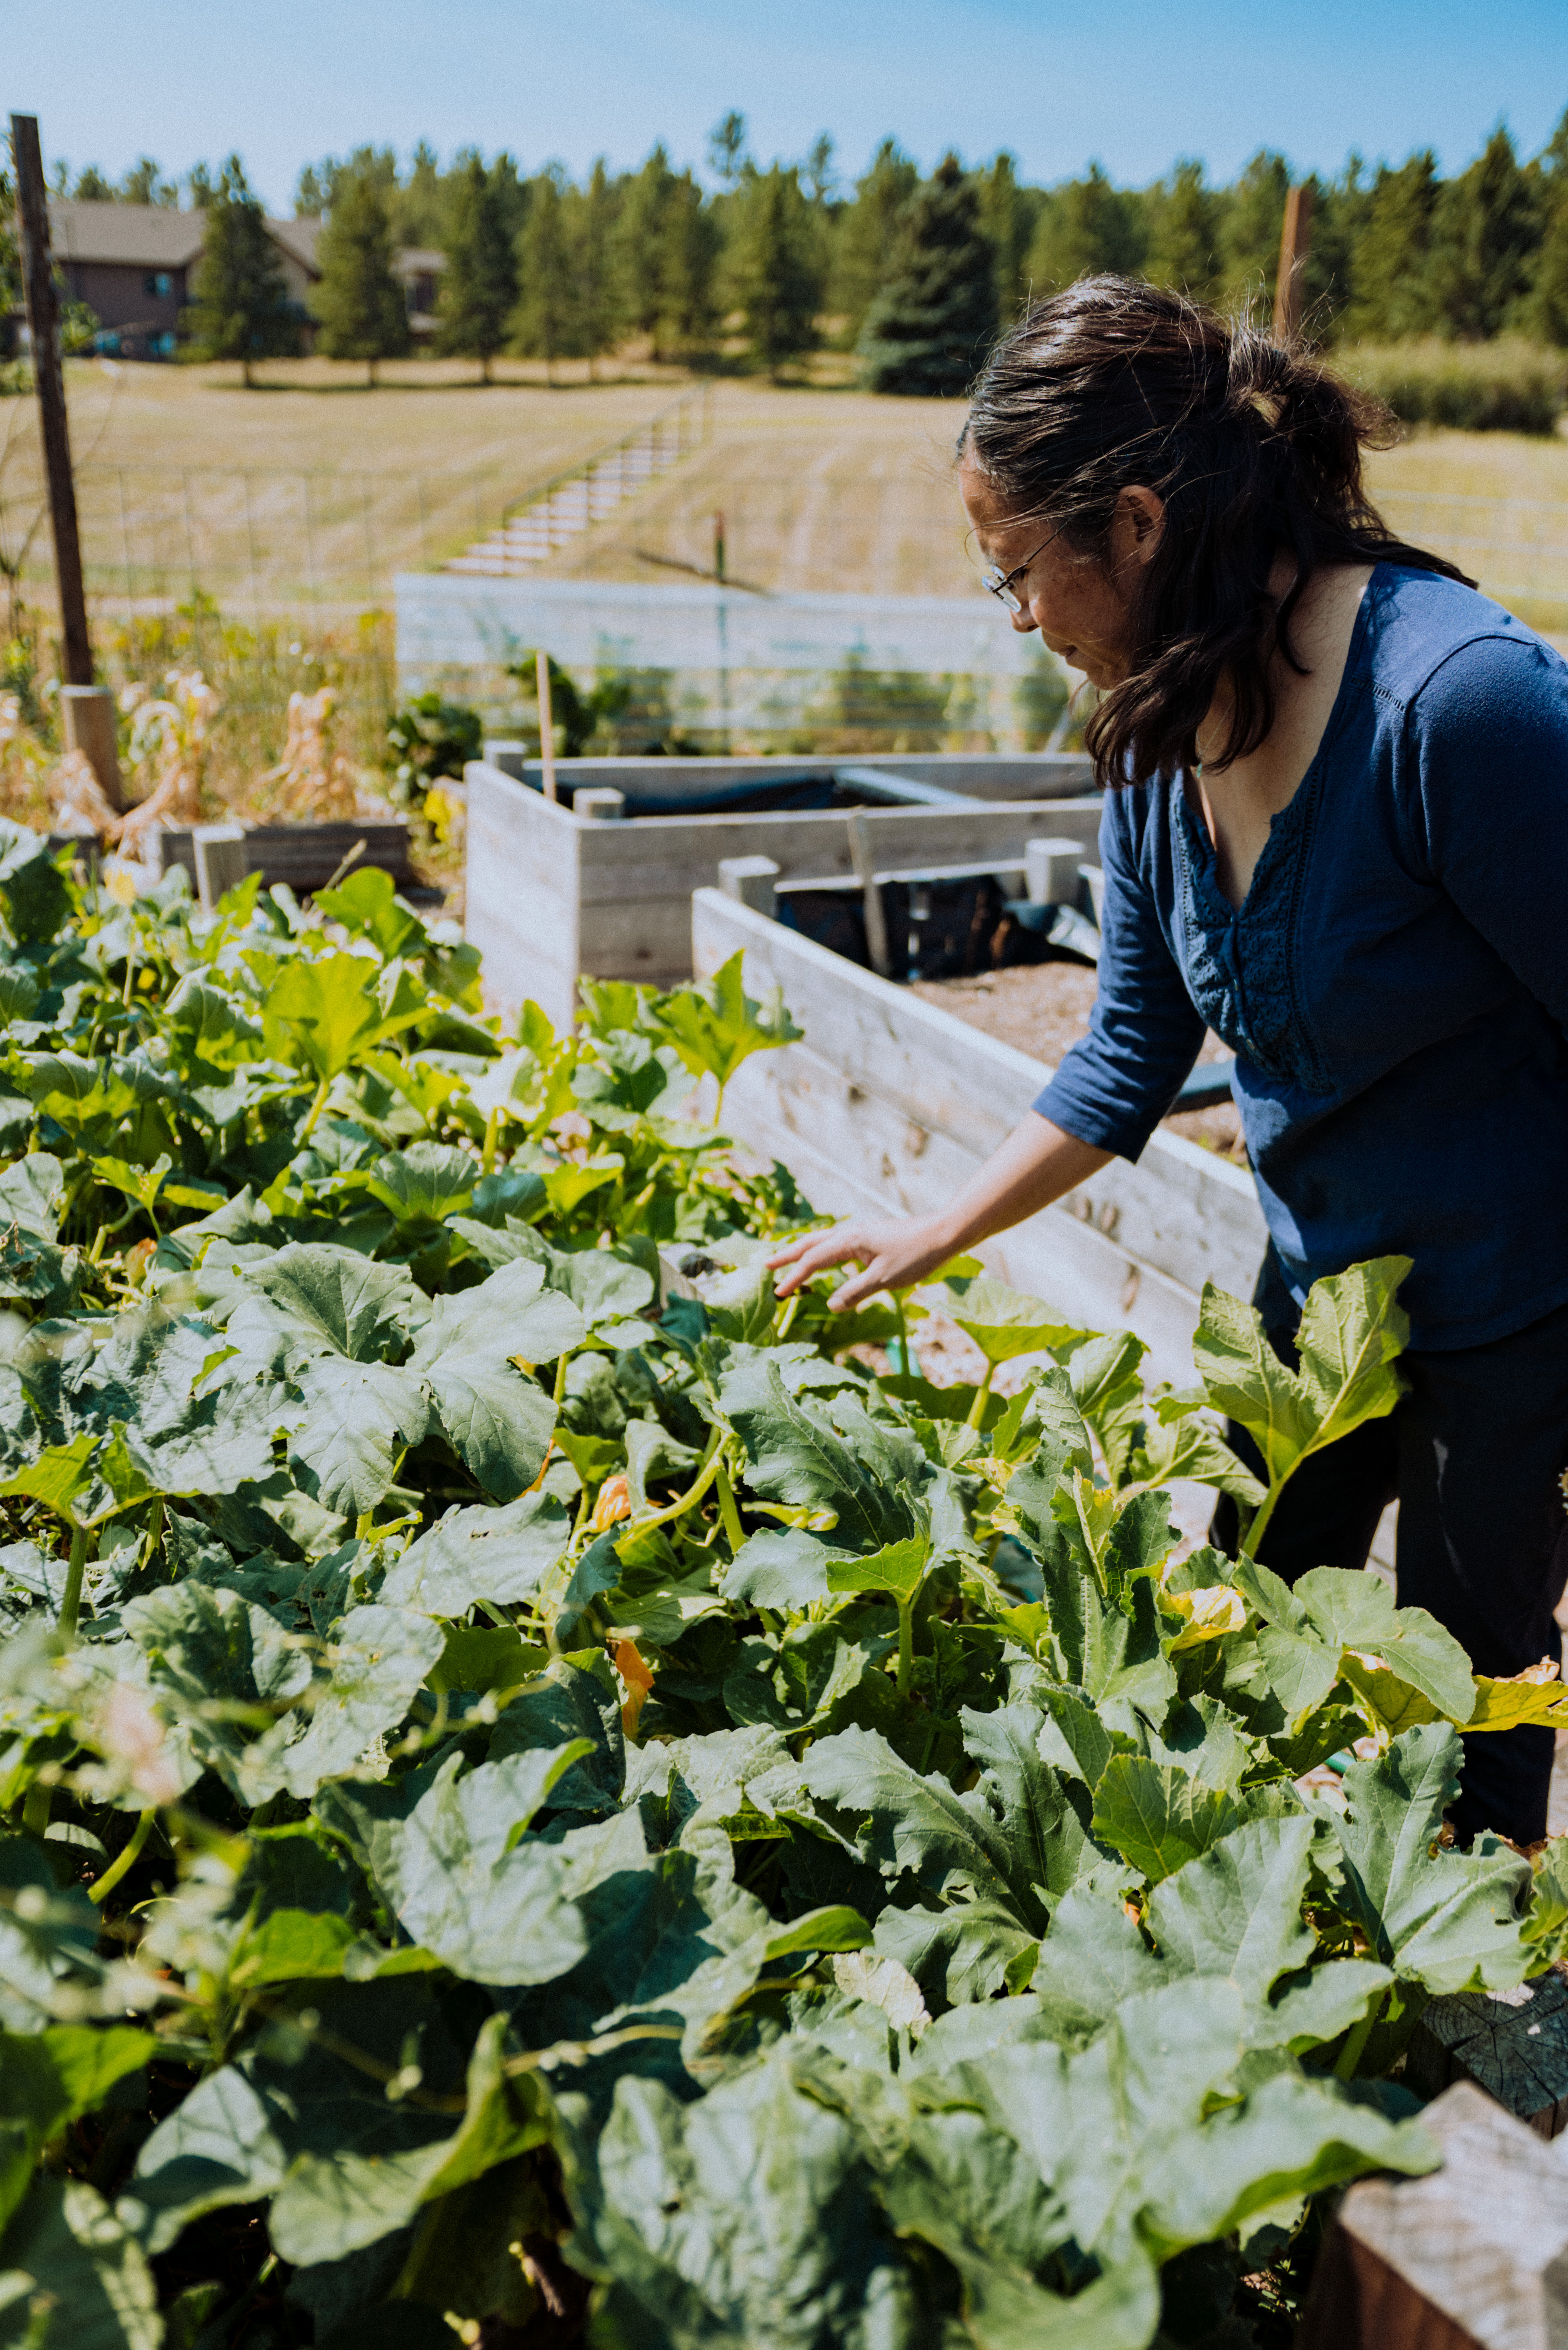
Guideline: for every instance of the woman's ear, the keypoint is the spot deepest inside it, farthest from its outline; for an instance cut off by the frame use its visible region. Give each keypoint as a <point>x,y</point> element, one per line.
<point>1137,527</point>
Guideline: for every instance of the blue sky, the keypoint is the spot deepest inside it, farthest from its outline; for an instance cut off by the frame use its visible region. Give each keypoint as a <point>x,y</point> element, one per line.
<point>1135,85</point>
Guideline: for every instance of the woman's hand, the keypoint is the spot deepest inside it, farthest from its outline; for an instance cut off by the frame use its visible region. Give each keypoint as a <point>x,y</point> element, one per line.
<point>1034,1165</point>
<point>894,1255</point>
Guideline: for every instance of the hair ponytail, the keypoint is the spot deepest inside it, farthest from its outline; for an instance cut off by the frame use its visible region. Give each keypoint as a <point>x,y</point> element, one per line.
<point>1255,451</point>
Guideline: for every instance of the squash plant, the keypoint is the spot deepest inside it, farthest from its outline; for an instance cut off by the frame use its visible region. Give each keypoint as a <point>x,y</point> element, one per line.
<point>545,1798</point>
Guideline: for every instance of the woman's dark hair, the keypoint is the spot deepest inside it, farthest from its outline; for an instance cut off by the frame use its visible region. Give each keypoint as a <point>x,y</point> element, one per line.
<point>1255,451</point>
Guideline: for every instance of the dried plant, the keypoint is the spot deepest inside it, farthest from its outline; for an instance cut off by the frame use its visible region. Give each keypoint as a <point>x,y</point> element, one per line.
<point>168,753</point>
<point>313,779</point>
<point>23,765</point>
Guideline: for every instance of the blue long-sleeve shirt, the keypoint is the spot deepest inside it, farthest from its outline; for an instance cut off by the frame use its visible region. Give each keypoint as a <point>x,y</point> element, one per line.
<point>1395,985</point>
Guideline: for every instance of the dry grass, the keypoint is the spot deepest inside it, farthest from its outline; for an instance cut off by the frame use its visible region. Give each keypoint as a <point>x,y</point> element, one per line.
<point>308,494</point>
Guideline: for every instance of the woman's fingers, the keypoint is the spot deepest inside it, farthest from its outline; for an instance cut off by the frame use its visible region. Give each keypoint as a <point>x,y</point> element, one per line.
<point>817,1254</point>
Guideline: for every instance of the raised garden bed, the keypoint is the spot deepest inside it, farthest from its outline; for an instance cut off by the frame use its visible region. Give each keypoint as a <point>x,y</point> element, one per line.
<point>893,1102</point>
<point>554,893</point>
<point>304,856</point>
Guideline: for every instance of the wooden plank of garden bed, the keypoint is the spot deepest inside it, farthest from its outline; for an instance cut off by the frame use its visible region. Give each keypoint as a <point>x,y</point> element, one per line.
<point>304,856</point>
<point>1473,2257</point>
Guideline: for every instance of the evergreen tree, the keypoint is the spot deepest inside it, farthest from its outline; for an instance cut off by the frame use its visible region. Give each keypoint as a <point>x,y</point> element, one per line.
<point>590,219</point>
<point>667,252</point>
<point>241,309</point>
<point>144,183</point>
<point>727,149</point>
<point>1008,213</point>
<point>93,188</point>
<point>1484,234</point>
<point>1389,293</point>
<point>776,271</point>
<point>821,179</point>
<point>358,301</point>
<point>545,323</point>
<point>1085,229</point>
<point>200,186</point>
<point>1547,313</point>
<point>1184,233</point>
<point>928,329</point>
<point>479,284</point>
<point>420,216</point>
<point>310,195</point>
<point>867,234</point>
<point>1252,221</point>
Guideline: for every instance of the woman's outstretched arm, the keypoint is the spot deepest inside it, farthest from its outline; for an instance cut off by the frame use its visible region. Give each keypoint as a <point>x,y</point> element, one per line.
<point>1036,1164</point>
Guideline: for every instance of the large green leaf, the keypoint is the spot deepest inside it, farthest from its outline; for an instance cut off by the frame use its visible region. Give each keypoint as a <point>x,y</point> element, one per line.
<point>378,1665</point>
<point>1236,1911</point>
<point>461,1885</point>
<point>327,1011</point>
<point>1351,1331</point>
<point>330,1300</point>
<point>499,1554</point>
<point>715,1025</point>
<point>66,2250</point>
<point>1449,1920</point>
<point>424,1183</point>
<point>356,1419</point>
<point>830,1455</point>
<point>498,1418</point>
<point>1158,1816</point>
<point>1309,1628</point>
<point>1003,1323</point>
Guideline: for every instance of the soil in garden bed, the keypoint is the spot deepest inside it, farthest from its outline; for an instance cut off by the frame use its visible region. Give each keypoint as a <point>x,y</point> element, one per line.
<point>1042,1008</point>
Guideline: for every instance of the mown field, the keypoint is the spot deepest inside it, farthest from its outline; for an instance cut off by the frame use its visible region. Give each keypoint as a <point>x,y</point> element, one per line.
<point>313,489</point>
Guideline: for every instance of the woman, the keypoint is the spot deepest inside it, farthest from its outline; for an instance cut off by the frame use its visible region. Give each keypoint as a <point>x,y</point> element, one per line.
<point>1336,832</point>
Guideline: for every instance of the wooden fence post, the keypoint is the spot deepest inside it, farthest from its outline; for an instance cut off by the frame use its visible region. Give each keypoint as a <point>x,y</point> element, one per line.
<point>88,710</point>
<point>1296,242</point>
<point>1511,2043</point>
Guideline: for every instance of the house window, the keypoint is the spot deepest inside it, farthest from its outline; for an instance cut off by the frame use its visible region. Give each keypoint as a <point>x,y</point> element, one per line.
<point>159,284</point>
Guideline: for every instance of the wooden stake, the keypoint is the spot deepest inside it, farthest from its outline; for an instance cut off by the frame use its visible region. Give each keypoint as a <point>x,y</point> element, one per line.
<point>1295,242</point>
<point>43,325</point>
<point>546,723</point>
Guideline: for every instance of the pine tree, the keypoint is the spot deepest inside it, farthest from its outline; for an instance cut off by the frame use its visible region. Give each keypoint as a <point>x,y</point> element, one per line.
<point>1547,313</point>
<point>1484,235</point>
<point>1184,234</point>
<point>928,329</point>
<point>727,149</point>
<point>422,208</point>
<point>1085,229</point>
<point>1389,293</point>
<point>667,252</point>
<point>545,322</point>
<point>1251,220</point>
<point>591,214</point>
<point>867,234</point>
<point>241,309</point>
<point>1008,213</point>
<point>144,183</point>
<point>358,301</point>
<point>776,272</point>
<point>479,284</point>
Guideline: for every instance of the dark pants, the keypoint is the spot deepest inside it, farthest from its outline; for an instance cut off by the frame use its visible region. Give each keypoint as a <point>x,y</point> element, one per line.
<point>1474,1454</point>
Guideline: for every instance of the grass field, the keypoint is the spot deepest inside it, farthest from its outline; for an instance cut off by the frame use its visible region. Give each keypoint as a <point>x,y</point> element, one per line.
<point>312,489</point>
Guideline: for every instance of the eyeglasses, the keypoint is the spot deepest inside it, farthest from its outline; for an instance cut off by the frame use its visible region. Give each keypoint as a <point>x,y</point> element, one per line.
<point>1000,582</point>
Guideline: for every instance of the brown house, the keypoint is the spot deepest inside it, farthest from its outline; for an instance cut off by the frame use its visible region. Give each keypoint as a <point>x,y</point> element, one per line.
<point>134,265</point>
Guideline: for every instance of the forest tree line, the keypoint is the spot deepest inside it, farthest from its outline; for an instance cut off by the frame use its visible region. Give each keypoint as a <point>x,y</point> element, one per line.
<point>915,273</point>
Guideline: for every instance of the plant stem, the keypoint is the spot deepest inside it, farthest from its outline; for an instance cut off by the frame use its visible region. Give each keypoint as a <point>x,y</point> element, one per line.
<point>1350,2054</point>
<point>1259,1525</point>
<point>317,1107</point>
<point>71,1600</point>
<point>561,1367</point>
<point>712,1467</point>
<point>729,1514</point>
<point>787,1316</point>
<point>36,1810</point>
<point>124,1861</point>
<point>906,1644</point>
<point>487,1157</point>
<point>976,1412</point>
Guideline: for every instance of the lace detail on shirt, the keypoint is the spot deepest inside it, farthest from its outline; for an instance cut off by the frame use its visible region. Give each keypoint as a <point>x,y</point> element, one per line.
<point>1239,963</point>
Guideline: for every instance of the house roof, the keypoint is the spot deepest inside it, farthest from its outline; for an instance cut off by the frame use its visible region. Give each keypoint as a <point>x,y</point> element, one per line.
<point>154,236</point>
<point>140,236</point>
<point>299,237</point>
